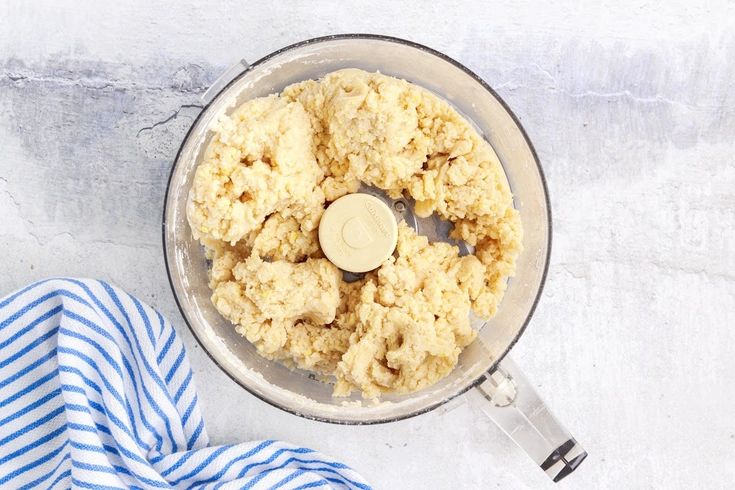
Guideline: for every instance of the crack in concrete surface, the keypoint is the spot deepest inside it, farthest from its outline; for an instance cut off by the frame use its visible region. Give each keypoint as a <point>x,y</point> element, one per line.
<point>45,241</point>
<point>655,99</point>
<point>14,201</point>
<point>169,118</point>
<point>101,83</point>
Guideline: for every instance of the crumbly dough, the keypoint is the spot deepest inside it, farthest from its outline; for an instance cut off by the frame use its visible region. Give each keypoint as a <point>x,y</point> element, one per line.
<point>271,169</point>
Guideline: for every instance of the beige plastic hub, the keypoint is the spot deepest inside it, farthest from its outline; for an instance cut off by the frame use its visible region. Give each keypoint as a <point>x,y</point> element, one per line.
<point>358,232</point>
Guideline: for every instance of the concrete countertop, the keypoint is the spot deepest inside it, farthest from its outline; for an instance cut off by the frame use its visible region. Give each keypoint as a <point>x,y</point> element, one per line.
<point>631,106</point>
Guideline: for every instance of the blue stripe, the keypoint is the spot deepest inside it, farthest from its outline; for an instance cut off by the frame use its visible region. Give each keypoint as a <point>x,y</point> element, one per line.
<point>25,350</point>
<point>343,479</point>
<point>91,362</point>
<point>30,446</point>
<point>10,298</point>
<point>33,464</point>
<point>146,320</point>
<point>81,427</point>
<point>131,373</point>
<point>333,464</point>
<point>113,364</point>
<point>271,458</point>
<point>81,375</point>
<point>101,409</point>
<point>162,324</point>
<point>178,463</point>
<point>117,324</point>
<point>92,447</point>
<point>114,420</point>
<point>127,364</point>
<point>246,455</point>
<point>49,355</point>
<point>36,423</point>
<point>97,468</point>
<point>131,455</point>
<point>116,367</point>
<point>121,451</point>
<point>111,416</point>
<point>90,324</point>
<point>19,313</point>
<point>154,375</point>
<point>255,479</point>
<point>60,478</point>
<point>149,369</point>
<point>298,472</point>
<point>141,478</point>
<point>149,481</point>
<point>325,469</point>
<point>110,389</point>
<point>30,407</point>
<point>102,428</point>
<point>182,388</point>
<point>31,387</point>
<point>195,435</point>
<point>166,346</point>
<point>334,480</point>
<point>175,366</point>
<point>166,422</point>
<point>339,475</point>
<point>314,484</point>
<point>68,294</point>
<point>30,326</point>
<point>73,389</point>
<point>189,410</point>
<point>93,486</point>
<point>115,469</point>
<point>75,407</point>
<point>202,465</point>
<point>88,428</point>
<point>114,450</point>
<point>59,292</point>
<point>46,476</point>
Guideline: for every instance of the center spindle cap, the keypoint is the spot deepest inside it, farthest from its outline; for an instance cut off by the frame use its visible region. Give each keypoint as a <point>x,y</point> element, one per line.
<point>358,232</point>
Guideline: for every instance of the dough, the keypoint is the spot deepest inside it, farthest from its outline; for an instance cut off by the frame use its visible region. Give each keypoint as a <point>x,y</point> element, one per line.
<point>271,169</point>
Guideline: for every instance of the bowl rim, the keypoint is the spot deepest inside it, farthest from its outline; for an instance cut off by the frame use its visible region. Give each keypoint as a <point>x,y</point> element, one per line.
<point>516,121</point>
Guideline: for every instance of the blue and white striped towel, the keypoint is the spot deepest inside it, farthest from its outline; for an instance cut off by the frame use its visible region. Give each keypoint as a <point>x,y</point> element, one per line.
<point>96,392</point>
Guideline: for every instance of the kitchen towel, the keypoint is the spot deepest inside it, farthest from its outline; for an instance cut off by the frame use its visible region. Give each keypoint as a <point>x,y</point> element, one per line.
<point>96,392</point>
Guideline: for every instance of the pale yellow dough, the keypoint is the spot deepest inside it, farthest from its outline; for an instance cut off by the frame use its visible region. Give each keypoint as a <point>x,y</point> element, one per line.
<point>269,172</point>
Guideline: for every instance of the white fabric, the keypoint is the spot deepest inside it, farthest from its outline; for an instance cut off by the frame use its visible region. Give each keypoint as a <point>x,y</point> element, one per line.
<point>96,392</point>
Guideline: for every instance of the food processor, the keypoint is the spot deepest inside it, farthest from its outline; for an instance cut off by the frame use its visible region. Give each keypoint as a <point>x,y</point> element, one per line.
<point>484,365</point>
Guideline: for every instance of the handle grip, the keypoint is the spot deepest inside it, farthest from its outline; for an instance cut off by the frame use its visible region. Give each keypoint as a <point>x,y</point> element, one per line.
<point>513,404</point>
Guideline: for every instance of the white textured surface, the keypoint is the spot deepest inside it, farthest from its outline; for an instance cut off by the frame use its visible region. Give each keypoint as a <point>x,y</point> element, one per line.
<point>632,111</point>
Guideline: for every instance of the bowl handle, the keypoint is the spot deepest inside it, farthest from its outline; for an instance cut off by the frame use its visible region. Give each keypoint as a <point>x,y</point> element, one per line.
<point>517,409</point>
<point>224,79</point>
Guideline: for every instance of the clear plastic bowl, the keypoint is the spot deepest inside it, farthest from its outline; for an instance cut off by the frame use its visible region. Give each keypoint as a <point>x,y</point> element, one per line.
<point>300,392</point>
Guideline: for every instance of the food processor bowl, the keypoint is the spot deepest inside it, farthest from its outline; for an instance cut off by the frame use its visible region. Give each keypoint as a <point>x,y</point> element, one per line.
<point>302,393</point>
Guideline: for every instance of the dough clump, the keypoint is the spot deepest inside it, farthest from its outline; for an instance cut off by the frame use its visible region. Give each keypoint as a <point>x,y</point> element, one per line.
<point>276,163</point>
